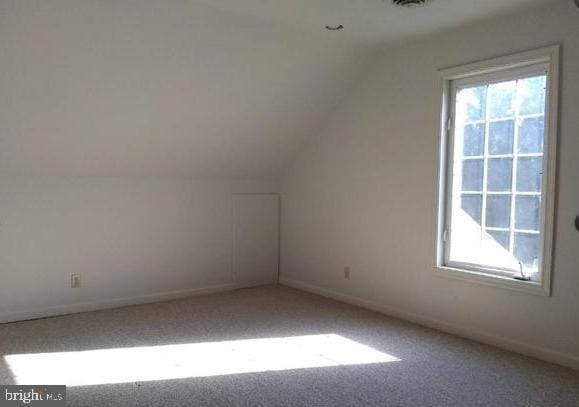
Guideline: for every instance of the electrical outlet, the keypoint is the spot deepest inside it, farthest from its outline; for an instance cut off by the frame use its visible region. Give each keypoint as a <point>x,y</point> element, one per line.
<point>75,281</point>
<point>347,273</point>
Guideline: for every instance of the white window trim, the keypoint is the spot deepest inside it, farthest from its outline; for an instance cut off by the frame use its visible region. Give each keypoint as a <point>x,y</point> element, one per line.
<point>549,58</point>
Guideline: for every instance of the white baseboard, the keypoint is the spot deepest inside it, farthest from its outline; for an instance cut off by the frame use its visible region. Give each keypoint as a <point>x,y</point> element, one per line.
<point>109,303</point>
<point>537,352</point>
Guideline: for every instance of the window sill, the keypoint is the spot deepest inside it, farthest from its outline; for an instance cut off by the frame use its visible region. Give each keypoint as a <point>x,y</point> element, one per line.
<point>530,287</point>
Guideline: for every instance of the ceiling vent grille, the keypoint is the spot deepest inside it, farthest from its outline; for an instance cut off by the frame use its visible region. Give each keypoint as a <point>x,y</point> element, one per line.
<point>409,3</point>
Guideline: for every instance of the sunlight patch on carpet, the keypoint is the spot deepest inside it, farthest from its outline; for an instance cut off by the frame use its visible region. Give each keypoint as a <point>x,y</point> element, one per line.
<point>124,365</point>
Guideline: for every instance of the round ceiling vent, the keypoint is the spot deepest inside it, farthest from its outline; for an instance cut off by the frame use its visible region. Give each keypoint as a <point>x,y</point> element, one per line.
<point>410,3</point>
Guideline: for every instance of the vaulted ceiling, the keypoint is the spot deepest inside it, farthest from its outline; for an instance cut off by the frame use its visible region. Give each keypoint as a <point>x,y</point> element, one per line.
<point>375,22</point>
<point>183,87</point>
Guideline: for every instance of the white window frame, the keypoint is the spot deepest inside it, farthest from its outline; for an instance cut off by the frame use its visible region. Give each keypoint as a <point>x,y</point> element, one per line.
<point>498,69</point>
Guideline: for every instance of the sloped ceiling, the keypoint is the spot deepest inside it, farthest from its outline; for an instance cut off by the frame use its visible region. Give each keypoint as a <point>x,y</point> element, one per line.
<point>180,87</point>
<point>161,88</point>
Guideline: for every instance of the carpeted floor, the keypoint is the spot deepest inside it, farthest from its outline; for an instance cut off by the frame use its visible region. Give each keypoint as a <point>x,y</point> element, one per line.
<point>428,368</point>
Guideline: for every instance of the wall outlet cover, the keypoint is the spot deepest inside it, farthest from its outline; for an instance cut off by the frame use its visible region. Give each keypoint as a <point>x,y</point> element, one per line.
<point>75,281</point>
<point>347,273</point>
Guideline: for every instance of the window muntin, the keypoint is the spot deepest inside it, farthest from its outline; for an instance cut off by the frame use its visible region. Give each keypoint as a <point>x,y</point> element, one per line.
<point>496,200</point>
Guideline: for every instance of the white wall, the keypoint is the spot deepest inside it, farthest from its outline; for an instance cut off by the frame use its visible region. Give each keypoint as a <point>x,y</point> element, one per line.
<point>130,238</point>
<point>362,194</point>
<point>110,113</point>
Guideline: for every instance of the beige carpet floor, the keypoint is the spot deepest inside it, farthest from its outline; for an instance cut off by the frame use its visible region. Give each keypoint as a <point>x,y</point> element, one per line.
<point>430,368</point>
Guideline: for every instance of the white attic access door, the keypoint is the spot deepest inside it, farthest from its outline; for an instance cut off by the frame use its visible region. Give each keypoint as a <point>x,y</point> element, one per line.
<point>256,239</point>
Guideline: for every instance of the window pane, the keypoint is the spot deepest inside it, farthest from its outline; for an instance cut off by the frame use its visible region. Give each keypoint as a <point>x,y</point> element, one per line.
<point>472,175</point>
<point>501,99</point>
<point>500,237</point>
<point>527,212</point>
<point>501,137</point>
<point>474,139</point>
<point>498,213</point>
<point>473,100</point>
<point>472,205</point>
<point>531,94</point>
<point>500,174</point>
<point>526,249</point>
<point>529,174</point>
<point>531,135</point>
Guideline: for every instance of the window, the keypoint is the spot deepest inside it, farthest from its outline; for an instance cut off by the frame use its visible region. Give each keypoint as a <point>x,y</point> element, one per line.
<point>497,168</point>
